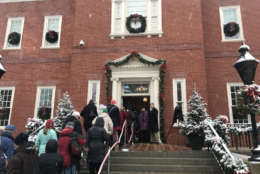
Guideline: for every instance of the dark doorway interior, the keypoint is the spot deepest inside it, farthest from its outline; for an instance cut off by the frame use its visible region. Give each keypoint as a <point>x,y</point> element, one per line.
<point>136,103</point>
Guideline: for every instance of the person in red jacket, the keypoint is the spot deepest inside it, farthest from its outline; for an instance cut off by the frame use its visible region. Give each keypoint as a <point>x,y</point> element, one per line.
<point>66,135</point>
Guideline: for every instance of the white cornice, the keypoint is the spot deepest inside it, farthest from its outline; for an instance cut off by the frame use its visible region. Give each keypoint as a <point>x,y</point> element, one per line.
<point>14,1</point>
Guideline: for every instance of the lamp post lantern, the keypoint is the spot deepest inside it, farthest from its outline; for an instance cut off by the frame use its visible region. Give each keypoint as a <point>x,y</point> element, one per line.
<point>246,67</point>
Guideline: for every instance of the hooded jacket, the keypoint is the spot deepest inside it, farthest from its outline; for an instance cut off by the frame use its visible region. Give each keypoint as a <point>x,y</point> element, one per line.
<point>42,139</point>
<point>96,137</point>
<point>24,161</point>
<point>108,124</point>
<point>7,144</point>
<point>51,162</point>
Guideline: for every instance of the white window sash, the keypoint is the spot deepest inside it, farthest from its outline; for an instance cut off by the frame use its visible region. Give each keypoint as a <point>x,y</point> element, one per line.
<point>38,95</point>
<point>11,102</point>
<point>90,90</point>
<point>183,93</point>
<point>8,31</point>
<point>239,21</point>
<point>229,85</point>
<point>151,29</point>
<point>45,30</point>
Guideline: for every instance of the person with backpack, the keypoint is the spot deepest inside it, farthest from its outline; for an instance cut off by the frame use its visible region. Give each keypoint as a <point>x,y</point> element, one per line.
<point>7,141</point>
<point>25,159</point>
<point>89,112</point>
<point>70,146</point>
<point>96,137</point>
<point>75,118</point>
<point>44,136</point>
<point>51,162</point>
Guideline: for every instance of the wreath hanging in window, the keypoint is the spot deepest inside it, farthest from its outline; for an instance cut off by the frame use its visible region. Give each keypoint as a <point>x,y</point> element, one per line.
<point>231,29</point>
<point>52,36</point>
<point>136,23</point>
<point>4,113</point>
<point>44,113</point>
<point>14,38</point>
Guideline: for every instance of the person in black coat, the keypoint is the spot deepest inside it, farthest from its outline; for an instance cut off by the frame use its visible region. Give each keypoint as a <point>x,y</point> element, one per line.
<point>89,112</point>
<point>25,160</point>
<point>51,162</point>
<point>75,118</point>
<point>177,114</point>
<point>96,137</point>
<point>114,113</point>
<point>153,123</point>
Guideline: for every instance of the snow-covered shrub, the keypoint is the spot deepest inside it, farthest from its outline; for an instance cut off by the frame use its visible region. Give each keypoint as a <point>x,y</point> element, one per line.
<point>195,116</point>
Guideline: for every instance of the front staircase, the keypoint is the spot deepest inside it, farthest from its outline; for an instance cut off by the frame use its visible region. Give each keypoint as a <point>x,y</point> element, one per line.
<point>154,162</point>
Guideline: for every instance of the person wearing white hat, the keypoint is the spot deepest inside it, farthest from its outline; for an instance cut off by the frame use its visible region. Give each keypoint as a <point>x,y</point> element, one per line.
<point>75,118</point>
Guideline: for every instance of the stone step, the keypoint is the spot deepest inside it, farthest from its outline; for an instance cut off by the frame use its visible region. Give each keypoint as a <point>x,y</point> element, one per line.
<point>134,172</point>
<point>163,160</point>
<point>193,154</point>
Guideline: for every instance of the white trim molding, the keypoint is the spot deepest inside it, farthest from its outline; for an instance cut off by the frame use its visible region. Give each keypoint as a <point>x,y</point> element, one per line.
<point>180,84</point>
<point>9,29</point>
<point>152,13</point>
<point>11,103</point>
<point>38,96</point>
<point>240,36</point>
<point>57,28</point>
<point>94,88</point>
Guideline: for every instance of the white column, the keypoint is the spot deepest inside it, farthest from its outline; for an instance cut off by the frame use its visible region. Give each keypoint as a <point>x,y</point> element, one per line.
<point>156,100</point>
<point>156,92</point>
<point>114,88</point>
<point>119,94</point>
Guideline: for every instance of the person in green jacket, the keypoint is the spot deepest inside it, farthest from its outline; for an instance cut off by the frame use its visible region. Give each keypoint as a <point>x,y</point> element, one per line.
<point>44,136</point>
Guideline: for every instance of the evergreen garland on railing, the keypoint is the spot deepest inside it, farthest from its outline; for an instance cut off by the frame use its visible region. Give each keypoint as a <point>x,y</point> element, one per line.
<point>161,83</point>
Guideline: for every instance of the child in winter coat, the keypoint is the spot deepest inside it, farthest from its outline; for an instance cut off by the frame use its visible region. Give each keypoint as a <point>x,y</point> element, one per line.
<point>44,136</point>
<point>51,162</point>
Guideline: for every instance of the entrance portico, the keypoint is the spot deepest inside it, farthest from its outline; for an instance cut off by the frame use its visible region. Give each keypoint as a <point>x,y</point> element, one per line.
<point>144,70</point>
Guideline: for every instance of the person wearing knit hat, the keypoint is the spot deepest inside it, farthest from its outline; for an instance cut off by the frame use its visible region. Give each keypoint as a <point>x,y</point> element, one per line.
<point>10,127</point>
<point>25,159</point>
<point>75,119</point>
<point>44,136</point>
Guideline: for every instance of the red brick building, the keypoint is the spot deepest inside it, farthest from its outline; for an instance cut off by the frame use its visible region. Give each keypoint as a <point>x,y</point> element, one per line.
<point>189,35</point>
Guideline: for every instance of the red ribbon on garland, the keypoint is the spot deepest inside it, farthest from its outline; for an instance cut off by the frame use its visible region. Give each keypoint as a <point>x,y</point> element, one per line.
<point>252,92</point>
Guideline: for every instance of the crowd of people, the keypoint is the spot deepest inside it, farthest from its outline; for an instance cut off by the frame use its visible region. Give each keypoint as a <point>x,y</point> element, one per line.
<point>61,152</point>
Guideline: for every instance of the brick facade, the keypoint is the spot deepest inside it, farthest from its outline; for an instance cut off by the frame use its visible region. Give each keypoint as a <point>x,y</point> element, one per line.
<point>191,44</point>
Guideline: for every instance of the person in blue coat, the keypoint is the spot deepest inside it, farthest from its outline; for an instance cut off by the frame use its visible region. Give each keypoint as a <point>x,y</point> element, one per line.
<point>44,136</point>
<point>7,141</point>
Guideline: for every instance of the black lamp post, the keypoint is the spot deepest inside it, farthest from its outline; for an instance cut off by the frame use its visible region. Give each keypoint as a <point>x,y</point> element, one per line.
<point>246,67</point>
<point>2,69</point>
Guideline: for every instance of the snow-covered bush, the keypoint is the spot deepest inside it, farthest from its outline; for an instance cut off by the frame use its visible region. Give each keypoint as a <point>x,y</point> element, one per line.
<point>33,125</point>
<point>195,116</point>
<point>64,109</point>
<point>220,124</point>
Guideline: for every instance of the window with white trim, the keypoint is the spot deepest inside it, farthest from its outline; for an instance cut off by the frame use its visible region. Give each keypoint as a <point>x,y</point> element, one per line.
<point>51,32</point>
<point>231,23</point>
<point>44,106</point>
<point>94,91</point>
<point>235,116</point>
<point>149,9</point>
<point>6,104</point>
<point>179,94</point>
<point>14,32</point>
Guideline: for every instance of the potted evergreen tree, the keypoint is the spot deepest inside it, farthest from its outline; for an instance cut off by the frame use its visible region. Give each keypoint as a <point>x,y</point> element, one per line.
<point>193,127</point>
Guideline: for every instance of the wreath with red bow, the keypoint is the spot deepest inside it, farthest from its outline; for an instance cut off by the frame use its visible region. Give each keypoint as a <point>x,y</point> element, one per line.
<point>231,29</point>
<point>52,36</point>
<point>44,113</point>
<point>14,38</point>
<point>135,19</point>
